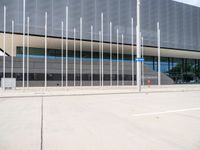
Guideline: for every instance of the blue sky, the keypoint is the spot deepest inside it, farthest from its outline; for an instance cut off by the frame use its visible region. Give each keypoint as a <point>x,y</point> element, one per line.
<point>191,2</point>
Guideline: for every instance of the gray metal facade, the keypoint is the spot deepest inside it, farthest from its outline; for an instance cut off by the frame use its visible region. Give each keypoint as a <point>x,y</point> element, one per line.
<point>179,22</point>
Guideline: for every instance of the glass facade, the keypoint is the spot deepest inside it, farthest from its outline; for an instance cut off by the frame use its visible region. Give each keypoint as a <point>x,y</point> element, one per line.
<point>55,53</point>
<point>181,70</point>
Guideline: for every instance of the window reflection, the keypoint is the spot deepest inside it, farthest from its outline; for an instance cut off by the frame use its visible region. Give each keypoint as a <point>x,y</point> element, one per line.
<point>181,70</point>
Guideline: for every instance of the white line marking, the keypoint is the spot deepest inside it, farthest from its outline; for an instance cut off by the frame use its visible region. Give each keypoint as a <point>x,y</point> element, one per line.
<point>165,112</point>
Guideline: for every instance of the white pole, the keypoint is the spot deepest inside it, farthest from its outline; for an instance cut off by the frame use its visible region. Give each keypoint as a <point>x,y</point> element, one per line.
<point>81,53</point>
<point>62,34</point>
<point>100,58</point>
<point>4,48</point>
<point>45,82</point>
<point>117,57</point>
<point>23,77</point>
<point>28,22</point>
<point>159,71</point>
<point>74,57</point>
<point>133,64</point>
<point>92,59</point>
<point>110,53</point>
<point>122,59</point>
<point>143,61</point>
<point>12,49</point>
<point>138,48</point>
<point>66,46</point>
<point>102,49</point>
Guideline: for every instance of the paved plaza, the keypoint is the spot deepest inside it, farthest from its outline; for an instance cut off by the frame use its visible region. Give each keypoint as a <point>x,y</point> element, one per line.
<point>112,121</point>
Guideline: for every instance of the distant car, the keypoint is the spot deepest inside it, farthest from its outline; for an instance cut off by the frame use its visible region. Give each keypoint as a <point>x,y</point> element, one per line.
<point>179,81</point>
<point>193,81</point>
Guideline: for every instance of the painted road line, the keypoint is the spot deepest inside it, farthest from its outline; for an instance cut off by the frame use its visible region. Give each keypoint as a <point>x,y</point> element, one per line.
<point>165,112</point>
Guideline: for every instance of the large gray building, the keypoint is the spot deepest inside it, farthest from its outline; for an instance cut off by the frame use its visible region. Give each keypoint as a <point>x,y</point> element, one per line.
<point>180,35</point>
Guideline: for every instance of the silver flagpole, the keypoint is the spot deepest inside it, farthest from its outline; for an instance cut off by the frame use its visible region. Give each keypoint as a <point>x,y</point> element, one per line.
<point>74,57</point>
<point>45,82</point>
<point>122,59</point>
<point>110,53</point>
<point>81,53</point>
<point>142,39</point>
<point>62,53</point>
<point>66,46</point>
<point>92,65</point>
<point>100,59</point>
<point>138,48</point>
<point>4,48</point>
<point>159,71</point>
<point>133,64</point>
<point>102,50</point>
<point>12,48</point>
<point>23,77</point>
<point>27,76</point>
<point>117,57</point>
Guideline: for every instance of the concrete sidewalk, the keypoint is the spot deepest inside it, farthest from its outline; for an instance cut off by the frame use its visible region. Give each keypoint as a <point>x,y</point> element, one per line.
<point>96,90</point>
<point>145,121</point>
